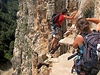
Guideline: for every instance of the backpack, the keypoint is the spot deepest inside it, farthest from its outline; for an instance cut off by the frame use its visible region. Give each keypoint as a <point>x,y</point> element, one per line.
<point>55,18</point>
<point>91,51</point>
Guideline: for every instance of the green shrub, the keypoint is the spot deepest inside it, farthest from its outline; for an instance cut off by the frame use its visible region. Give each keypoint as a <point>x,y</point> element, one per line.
<point>8,25</point>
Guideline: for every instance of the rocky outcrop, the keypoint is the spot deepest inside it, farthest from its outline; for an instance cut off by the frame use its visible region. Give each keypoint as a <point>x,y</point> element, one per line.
<point>32,32</point>
<point>97,9</point>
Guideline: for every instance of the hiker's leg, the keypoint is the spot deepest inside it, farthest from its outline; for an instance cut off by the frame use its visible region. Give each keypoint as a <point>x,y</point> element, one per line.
<point>54,37</point>
<point>53,42</point>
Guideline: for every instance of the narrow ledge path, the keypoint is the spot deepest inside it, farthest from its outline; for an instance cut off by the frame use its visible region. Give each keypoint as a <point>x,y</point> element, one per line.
<point>62,66</point>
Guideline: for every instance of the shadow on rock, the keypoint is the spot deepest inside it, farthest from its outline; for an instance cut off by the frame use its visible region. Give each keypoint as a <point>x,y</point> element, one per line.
<point>5,64</point>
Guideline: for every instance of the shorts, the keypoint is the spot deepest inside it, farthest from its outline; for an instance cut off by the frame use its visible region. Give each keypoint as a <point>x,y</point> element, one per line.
<point>55,31</point>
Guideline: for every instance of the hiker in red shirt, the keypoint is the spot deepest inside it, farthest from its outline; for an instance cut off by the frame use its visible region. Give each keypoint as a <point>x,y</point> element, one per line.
<point>56,27</point>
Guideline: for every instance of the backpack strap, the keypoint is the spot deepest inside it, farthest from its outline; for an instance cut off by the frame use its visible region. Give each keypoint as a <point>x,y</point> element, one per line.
<point>85,44</point>
<point>83,34</point>
<point>56,18</point>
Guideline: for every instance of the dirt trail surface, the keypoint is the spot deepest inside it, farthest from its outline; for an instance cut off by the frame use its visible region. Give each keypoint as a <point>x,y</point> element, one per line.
<point>8,72</point>
<point>62,66</point>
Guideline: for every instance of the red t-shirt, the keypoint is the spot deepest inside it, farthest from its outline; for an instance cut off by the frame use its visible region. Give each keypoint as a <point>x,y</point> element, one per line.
<point>60,19</point>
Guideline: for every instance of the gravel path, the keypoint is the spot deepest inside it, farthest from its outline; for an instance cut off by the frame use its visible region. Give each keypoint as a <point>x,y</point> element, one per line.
<point>62,66</point>
<point>8,72</point>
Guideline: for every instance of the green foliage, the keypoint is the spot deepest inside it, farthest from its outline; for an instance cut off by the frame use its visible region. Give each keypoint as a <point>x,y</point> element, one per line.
<point>8,25</point>
<point>8,56</point>
<point>11,46</point>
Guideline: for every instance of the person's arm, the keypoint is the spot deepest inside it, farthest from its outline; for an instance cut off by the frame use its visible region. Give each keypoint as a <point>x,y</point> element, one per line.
<point>98,27</point>
<point>71,16</point>
<point>68,32</point>
<point>94,20</point>
<point>78,41</point>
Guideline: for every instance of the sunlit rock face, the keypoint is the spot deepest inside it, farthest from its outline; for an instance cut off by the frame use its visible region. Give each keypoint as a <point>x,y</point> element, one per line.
<point>33,33</point>
<point>97,8</point>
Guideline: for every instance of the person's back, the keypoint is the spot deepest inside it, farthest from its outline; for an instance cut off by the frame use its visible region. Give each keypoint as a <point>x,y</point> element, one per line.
<point>60,19</point>
<point>82,25</point>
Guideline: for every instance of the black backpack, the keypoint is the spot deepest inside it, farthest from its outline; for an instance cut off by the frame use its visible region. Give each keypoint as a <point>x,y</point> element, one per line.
<point>91,54</point>
<point>55,18</point>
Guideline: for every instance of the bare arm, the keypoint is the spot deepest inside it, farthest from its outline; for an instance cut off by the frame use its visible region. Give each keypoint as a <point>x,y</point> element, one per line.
<point>71,16</point>
<point>78,41</point>
<point>94,20</point>
<point>98,27</point>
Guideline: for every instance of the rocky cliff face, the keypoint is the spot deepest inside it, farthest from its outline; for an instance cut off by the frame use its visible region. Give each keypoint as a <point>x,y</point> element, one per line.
<point>32,34</point>
<point>97,8</point>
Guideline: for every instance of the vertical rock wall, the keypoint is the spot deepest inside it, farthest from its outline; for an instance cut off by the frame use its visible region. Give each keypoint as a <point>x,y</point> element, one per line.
<point>31,37</point>
<point>22,60</point>
<point>97,9</point>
